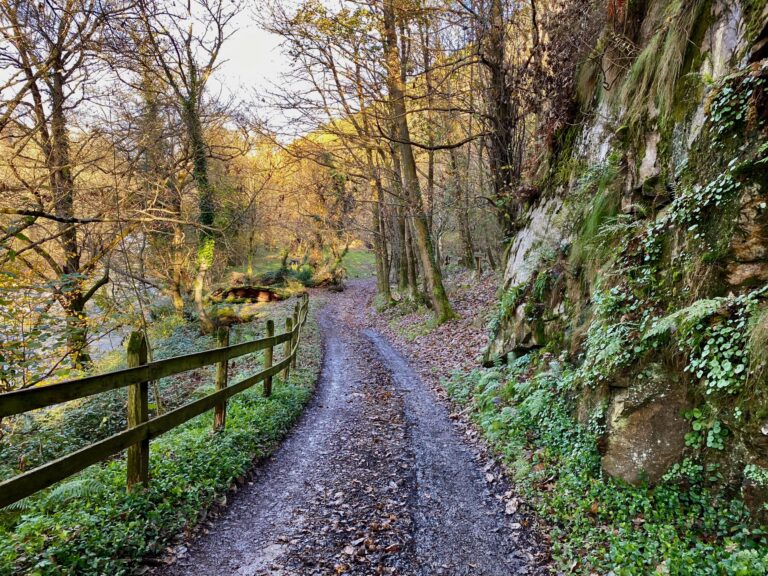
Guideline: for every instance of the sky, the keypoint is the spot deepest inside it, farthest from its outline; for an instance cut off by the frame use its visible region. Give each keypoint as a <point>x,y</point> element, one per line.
<point>252,60</point>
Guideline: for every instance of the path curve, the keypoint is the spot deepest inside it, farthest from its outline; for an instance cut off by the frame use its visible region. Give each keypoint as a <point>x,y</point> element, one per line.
<point>375,479</point>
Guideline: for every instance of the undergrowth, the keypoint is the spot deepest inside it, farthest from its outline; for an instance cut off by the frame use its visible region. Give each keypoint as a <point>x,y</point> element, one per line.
<point>34,438</point>
<point>682,526</point>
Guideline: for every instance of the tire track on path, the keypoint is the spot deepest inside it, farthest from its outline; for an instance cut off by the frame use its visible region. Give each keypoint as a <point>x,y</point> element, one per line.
<point>374,479</point>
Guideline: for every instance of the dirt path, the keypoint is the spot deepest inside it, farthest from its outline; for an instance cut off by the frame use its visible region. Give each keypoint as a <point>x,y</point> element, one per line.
<point>375,479</point>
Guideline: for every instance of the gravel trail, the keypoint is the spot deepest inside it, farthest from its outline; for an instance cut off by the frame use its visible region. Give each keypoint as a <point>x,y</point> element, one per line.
<point>375,479</point>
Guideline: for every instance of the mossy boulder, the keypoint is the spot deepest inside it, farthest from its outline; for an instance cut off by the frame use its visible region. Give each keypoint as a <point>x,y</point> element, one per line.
<point>518,333</point>
<point>645,427</point>
<point>229,315</point>
<point>241,294</point>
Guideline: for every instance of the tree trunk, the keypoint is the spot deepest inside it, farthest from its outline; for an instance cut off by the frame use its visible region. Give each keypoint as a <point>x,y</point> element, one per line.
<point>206,324</point>
<point>380,251</point>
<point>60,174</point>
<point>412,189</point>
<point>402,272</point>
<point>62,184</point>
<point>159,176</point>
<point>386,243</point>
<point>397,187</point>
<point>429,90</point>
<point>177,270</point>
<point>505,142</point>
<point>491,259</point>
<point>379,236</point>
<point>411,265</point>
<point>199,152</point>
<point>77,330</point>
<point>462,214</point>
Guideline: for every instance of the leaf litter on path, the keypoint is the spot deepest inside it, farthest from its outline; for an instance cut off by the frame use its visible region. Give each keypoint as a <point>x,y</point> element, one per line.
<point>375,479</point>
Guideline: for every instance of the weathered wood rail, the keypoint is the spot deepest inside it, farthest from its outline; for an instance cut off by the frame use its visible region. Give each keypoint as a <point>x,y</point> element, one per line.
<point>142,429</point>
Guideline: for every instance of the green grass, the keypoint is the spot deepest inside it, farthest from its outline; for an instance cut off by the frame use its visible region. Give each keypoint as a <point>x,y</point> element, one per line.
<point>89,525</point>
<point>360,263</point>
<point>598,525</point>
<point>263,263</point>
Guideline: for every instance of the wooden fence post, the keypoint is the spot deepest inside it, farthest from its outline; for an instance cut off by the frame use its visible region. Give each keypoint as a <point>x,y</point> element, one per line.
<point>138,413</point>
<point>287,349</point>
<point>268,354</point>
<point>220,411</point>
<point>296,334</point>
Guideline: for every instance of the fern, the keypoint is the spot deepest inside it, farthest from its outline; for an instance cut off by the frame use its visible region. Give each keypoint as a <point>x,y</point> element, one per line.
<point>537,402</point>
<point>81,488</point>
<point>685,318</point>
<point>19,506</point>
<point>540,285</point>
<point>509,301</point>
<point>602,201</point>
<point>494,376</point>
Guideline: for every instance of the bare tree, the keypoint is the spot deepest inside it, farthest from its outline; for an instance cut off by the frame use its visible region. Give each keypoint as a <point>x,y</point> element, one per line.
<point>184,42</point>
<point>59,229</point>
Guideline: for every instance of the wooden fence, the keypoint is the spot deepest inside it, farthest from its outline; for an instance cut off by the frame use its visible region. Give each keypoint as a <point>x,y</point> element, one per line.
<point>141,429</point>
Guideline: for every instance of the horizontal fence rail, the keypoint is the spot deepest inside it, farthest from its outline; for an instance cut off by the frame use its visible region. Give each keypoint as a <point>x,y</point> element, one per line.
<point>32,398</point>
<point>141,429</point>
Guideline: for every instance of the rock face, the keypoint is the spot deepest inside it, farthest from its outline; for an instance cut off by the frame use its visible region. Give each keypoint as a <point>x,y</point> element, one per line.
<point>649,167</point>
<point>644,424</point>
<point>645,428</point>
<point>532,323</point>
<point>518,335</point>
<point>748,261</point>
<point>755,495</point>
<point>542,233</point>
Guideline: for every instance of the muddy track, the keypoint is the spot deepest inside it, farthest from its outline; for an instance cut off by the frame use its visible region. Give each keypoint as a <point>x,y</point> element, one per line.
<point>375,479</point>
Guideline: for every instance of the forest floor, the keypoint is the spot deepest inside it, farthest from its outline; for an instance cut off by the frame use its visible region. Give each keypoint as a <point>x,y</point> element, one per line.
<point>378,477</point>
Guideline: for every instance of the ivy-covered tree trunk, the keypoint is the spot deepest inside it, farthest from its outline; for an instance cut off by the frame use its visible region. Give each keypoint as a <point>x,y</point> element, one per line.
<point>62,184</point>
<point>207,242</point>
<point>72,295</point>
<point>77,330</point>
<point>159,176</point>
<point>176,288</point>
